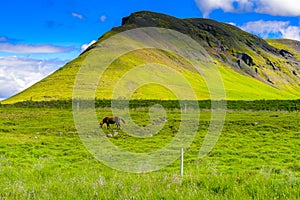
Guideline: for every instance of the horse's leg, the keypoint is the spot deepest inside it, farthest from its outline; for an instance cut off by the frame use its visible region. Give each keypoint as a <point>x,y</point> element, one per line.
<point>118,124</point>
<point>107,125</point>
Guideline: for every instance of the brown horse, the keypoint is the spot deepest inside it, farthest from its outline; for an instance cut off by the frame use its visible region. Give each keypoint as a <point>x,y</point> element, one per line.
<point>111,120</point>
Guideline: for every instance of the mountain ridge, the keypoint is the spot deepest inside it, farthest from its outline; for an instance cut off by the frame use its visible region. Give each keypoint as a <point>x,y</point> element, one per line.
<point>229,48</point>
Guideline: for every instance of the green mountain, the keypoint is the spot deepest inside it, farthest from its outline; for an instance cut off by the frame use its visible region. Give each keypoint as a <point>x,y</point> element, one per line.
<point>251,68</point>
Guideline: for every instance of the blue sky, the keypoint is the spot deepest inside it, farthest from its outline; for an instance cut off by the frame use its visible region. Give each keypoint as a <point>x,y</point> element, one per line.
<point>39,36</point>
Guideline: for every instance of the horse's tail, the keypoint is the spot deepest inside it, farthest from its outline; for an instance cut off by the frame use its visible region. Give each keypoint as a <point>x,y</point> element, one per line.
<point>122,120</point>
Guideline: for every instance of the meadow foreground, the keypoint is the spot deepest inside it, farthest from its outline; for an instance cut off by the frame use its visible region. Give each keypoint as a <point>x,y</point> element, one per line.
<point>256,157</point>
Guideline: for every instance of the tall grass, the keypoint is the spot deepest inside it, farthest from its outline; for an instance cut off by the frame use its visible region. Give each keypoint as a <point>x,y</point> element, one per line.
<point>42,157</point>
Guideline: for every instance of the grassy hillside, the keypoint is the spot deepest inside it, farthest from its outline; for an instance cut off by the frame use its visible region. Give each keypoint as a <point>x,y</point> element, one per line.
<point>60,84</point>
<point>241,51</point>
<point>251,68</point>
<point>291,46</point>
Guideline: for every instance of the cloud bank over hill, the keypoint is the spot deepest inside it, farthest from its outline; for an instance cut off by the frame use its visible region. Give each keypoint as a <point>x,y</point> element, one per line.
<point>275,28</point>
<point>271,7</point>
<point>18,73</point>
<point>19,67</point>
<point>33,49</point>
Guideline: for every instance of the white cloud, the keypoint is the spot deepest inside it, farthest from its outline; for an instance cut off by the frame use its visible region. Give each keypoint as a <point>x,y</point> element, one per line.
<point>3,39</point>
<point>279,7</point>
<point>103,18</point>
<point>280,29</point>
<point>16,74</point>
<point>291,32</point>
<point>27,48</point>
<point>272,7</point>
<point>207,6</point>
<point>231,23</point>
<point>85,46</point>
<point>77,15</point>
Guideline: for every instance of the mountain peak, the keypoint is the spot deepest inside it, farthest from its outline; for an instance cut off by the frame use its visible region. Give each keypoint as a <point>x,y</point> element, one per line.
<point>144,18</point>
<point>223,41</point>
<point>208,32</point>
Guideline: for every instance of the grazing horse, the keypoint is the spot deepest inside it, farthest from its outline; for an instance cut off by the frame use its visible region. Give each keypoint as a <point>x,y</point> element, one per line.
<point>111,120</point>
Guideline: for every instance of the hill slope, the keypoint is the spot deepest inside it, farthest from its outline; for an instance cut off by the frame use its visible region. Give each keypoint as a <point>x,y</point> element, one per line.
<point>251,67</point>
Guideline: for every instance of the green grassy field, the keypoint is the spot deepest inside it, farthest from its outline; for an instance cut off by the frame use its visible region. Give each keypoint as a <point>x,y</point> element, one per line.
<point>256,157</point>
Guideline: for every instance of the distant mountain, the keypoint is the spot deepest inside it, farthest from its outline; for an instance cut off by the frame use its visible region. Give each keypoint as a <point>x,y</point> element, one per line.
<point>251,67</point>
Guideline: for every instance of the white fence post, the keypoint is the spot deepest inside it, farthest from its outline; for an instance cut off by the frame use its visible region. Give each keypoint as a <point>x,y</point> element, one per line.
<point>181,162</point>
